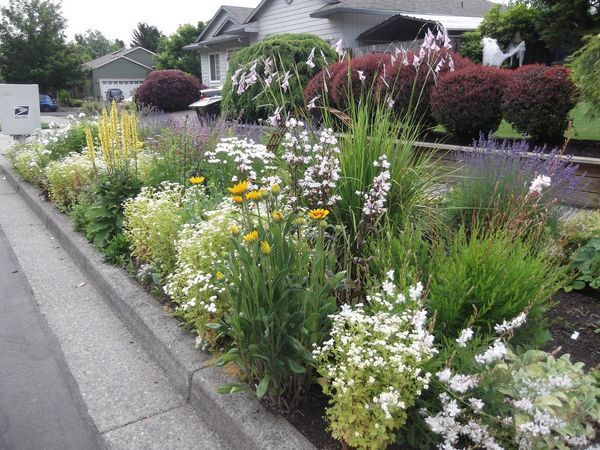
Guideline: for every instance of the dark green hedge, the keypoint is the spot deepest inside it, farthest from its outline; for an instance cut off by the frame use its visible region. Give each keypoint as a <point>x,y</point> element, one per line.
<point>291,52</point>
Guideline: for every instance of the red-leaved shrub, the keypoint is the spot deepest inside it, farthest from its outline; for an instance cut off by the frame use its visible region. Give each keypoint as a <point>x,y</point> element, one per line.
<point>168,90</point>
<point>469,101</point>
<point>407,85</point>
<point>537,101</point>
<point>319,87</point>
<point>360,76</point>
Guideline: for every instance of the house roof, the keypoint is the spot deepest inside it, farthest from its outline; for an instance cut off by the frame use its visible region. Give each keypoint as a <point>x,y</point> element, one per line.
<point>110,57</point>
<point>238,14</point>
<point>460,8</point>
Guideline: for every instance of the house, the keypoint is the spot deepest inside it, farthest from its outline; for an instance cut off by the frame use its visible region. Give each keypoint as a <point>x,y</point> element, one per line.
<point>125,69</point>
<point>362,25</point>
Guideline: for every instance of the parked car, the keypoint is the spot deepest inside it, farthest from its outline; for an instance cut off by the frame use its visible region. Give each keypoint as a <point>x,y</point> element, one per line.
<point>115,94</point>
<point>47,104</point>
<point>209,104</point>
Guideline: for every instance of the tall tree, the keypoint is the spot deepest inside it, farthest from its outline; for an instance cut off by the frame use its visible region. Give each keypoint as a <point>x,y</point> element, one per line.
<point>33,47</point>
<point>171,54</point>
<point>95,44</point>
<point>147,36</point>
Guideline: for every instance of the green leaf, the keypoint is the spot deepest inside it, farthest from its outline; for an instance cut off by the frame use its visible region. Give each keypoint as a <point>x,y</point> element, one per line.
<point>230,388</point>
<point>262,387</point>
<point>295,367</point>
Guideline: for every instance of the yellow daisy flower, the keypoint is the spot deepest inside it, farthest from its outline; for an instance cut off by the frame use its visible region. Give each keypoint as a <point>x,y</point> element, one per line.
<point>196,180</point>
<point>240,188</point>
<point>253,195</point>
<point>265,248</point>
<point>318,214</point>
<point>237,198</point>
<point>251,237</point>
<point>277,216</point>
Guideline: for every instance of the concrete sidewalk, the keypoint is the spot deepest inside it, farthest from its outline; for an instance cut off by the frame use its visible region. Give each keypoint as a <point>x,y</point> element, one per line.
<point>129,399</point>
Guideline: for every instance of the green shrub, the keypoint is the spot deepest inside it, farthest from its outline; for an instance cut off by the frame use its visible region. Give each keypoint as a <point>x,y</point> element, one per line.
<point>104,217</point>
<point>529,400</point>
<point>30,159</point>
<point>488,278</point>
<point>151,222</point>
<point>586,71</point>
<point>72,140</point>
<point>194,285</point>
<point>586,263</point>
<point>68,178</point>
<point>289,53</point>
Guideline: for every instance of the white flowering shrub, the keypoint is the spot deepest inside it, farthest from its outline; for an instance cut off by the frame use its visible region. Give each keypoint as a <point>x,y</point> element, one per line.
<point>151,222</point>
<point>527,401</point>
<point>373,365</point>
<point>30,159</point>
<point>69,177</point>
<point>235,159</point>
<point>194,285</point>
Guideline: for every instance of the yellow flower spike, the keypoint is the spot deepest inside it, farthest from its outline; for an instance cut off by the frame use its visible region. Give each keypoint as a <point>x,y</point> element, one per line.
<point>275,189</point>
<point>234,229</point>
<point>240,188</point>
<point>265,248</point>
<point>251,237</point>
<point>237,198</point>
<point>277,216</point>
<point>219,275</point>
<point>318,214</point>
<point>196,180</point>
<point>253,195</point>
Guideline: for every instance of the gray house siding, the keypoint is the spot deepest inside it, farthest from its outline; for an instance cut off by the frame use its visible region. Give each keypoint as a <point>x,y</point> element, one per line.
<point>352,25</point>
<point>118,69</point>
<point>277,17</point>
<point>224,50</point>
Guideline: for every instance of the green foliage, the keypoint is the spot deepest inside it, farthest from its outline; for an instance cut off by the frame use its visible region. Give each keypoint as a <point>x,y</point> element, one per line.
<point>33,47</point>
<point>585,64</point>
<point>171,55</point>
<point>556,388</point>
<point>72,141</point>
<point>578,229</point>
<point>279,293</point>
<point>30,160</point>
<point>105,215</point>
<point>151,222</point>
<point>586,263</point>
<point>289,52</point>
<point>117,251</point>
<point>68,178</point>
<point>95,44</point>
<point>502,23</point>
<point>146,36</point>
<point>485,279</point>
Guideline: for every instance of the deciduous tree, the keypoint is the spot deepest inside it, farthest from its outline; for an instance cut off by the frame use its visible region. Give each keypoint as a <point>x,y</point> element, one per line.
<point>171,54</point>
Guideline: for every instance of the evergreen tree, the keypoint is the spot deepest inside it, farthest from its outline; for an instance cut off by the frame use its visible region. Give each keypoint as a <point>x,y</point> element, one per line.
<point>147,36</point>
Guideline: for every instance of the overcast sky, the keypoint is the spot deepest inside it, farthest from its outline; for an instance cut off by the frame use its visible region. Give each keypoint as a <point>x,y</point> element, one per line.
<point>118,18</point>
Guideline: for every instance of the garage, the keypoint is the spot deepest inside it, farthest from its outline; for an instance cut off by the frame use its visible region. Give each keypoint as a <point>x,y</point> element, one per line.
<point>127,86</point>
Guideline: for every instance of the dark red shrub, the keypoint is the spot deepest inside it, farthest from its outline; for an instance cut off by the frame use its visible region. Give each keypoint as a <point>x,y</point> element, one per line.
<point>169,90</point>
<point>537,101</point>
<point>369,66</point>
<point>469,101</point>
<point>408,85</point>
<point>320,85</point>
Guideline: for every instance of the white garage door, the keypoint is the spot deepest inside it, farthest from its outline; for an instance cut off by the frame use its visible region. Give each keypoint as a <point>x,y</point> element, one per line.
<point>127,86</point>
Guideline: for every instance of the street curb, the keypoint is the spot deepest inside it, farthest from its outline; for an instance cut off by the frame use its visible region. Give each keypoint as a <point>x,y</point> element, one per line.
<point>240,419</point>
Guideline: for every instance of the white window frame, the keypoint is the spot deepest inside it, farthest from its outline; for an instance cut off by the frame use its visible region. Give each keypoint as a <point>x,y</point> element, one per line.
<point>218,67</point>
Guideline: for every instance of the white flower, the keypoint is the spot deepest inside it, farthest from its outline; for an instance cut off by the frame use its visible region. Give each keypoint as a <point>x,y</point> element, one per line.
<point>540,182</point>
<point>285,84</point>
<point>309,62</point>
<point>311,104</point>
<point>361,75</point>
<point>494,353</point>
<point>339,48</point>
<point>505,327</point>
<point>465,336</point>
<point>276,117</point>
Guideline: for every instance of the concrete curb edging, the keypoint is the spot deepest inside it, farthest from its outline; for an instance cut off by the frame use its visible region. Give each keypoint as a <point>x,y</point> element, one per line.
<point>240,419</point>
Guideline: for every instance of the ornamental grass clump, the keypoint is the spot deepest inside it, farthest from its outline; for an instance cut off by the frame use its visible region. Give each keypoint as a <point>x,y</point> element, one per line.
<point>196,284</point>
<point>373,365</point>
<point>281,284</point>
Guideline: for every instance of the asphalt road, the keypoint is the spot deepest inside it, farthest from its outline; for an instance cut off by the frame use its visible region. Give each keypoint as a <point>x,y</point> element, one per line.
<point>40,404</point>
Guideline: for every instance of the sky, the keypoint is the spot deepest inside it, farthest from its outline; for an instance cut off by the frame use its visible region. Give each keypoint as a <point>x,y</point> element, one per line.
<point>117,18</point>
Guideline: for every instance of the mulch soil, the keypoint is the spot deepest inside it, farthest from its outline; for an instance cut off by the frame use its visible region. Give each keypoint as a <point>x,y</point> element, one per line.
<point>575,311</point>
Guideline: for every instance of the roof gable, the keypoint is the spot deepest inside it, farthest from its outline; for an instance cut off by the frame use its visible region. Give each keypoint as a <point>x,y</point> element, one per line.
<point>235,14</point>
<point>110,57</point>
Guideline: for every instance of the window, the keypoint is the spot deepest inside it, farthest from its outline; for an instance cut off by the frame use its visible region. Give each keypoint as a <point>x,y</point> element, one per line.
<point>215,66</point>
